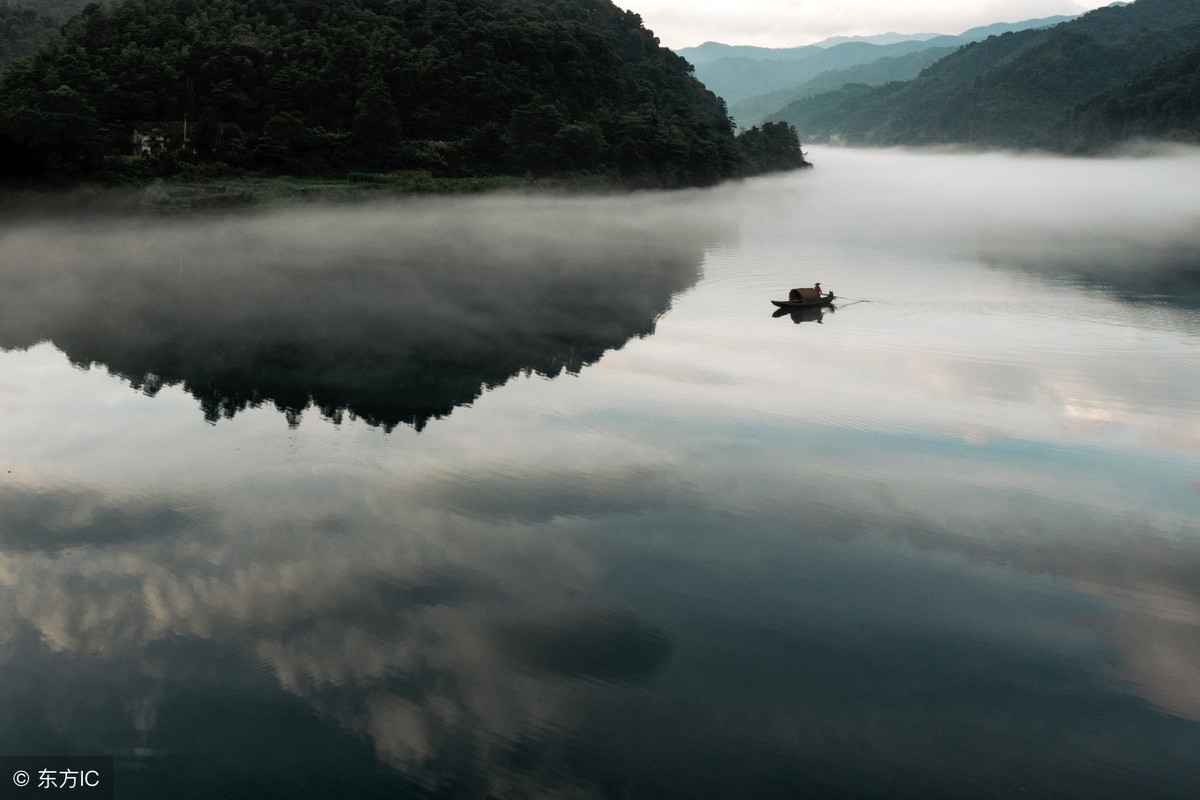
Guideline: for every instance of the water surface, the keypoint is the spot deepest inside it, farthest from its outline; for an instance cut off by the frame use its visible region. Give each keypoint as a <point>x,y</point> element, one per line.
<point>535,497</point>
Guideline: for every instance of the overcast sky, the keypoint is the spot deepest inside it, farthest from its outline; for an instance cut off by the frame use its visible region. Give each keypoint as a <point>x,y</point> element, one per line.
<point>788,23</point>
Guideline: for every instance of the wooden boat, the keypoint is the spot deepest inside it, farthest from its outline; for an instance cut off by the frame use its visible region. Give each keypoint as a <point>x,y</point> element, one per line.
<point>805,298</point>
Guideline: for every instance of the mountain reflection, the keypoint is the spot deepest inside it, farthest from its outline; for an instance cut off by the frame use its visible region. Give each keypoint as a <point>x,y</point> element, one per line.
<point>391,313</point>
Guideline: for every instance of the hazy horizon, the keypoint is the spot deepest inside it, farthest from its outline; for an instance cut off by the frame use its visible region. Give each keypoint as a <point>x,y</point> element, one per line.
<point>786,23</point>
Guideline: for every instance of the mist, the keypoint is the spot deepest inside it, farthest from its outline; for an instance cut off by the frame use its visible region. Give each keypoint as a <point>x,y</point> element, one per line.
<point>392,312</point>
<point>732,552</point>
<point>1132,222</point>
<point>398,312</point>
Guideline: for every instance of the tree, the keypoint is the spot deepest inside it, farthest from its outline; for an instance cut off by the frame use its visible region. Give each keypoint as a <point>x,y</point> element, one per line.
<point>376,129</point>
<point>773,147</point>
<point>49,134</point>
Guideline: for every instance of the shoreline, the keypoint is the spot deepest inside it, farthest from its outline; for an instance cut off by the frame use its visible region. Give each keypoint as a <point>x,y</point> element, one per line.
<point>251,191</point>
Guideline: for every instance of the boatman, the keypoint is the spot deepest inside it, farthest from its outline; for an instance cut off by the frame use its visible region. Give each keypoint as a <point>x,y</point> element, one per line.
<point>817,286</point>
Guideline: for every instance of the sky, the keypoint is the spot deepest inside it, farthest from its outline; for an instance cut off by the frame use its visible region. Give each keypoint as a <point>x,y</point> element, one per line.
<point>789,23</point>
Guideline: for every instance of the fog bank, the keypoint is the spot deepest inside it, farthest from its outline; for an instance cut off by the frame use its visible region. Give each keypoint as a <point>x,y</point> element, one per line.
<point>1133,222</point>
<point>394,312</point>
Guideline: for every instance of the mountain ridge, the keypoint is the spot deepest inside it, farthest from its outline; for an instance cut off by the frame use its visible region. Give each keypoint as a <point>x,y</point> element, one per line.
<point>740,72</point>
<point>1013,90</point>
<point>712,50</point>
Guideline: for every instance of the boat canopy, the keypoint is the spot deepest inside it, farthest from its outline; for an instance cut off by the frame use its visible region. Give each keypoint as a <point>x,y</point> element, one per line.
<point>804,296</point>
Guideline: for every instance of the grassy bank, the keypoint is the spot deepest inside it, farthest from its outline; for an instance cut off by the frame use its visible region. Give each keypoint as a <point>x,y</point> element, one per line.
<point>186,195</point>
<point>174,195</point>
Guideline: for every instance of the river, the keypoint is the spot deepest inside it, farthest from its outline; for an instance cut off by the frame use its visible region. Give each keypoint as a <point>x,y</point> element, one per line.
<point>535,496</point>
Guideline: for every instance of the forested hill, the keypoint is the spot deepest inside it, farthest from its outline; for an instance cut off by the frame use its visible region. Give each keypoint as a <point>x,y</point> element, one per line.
<point>455,87</point>
<point>1161,103</point>
<point>22,31</point>
<point>26,24</point>
<point>1032,89</point>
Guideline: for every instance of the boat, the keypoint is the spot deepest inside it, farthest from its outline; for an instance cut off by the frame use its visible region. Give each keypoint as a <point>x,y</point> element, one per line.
<point>806,298</point>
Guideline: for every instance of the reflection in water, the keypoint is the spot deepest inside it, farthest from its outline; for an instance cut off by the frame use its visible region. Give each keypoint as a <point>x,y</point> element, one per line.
<point>480,656</point>
<point>392,313</point>
<point>442,643</point>
<point>945,547</point>
<point>799,315</point>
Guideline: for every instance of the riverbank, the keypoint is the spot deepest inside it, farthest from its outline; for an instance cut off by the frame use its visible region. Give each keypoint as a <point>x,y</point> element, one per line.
<point>172,195</point>
<point>165,195</point>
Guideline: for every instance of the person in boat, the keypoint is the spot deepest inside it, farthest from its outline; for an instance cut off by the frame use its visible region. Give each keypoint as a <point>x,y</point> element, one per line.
<point>813,295</point>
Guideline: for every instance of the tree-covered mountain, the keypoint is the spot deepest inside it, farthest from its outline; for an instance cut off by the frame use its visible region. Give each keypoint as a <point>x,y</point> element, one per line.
<point>25,25</point>
<point>1015,90</point>
<point>457,87</point>
<point>22,31</point>
<point>58,10</point>
<point>1161,103</point>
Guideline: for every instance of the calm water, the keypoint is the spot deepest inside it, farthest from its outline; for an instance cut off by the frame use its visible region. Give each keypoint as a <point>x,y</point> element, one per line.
<point>534,497</point>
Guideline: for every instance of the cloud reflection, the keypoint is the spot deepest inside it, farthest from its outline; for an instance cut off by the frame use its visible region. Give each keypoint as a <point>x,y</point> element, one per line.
<point>428,633</point>
<point>436,636</point>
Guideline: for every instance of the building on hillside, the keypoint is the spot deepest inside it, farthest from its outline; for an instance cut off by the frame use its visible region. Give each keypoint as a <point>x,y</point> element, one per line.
<point>150,138</point>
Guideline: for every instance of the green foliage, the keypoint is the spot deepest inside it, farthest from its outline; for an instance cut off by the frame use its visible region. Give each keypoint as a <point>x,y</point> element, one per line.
<point>58,10</point>
<point>1013,90</point>
<point>376,126</point>
<point>773,147</point>
<point>1161,103</point>
<point>323,87</point>
<point>52,134</point>
<point>22,31</point>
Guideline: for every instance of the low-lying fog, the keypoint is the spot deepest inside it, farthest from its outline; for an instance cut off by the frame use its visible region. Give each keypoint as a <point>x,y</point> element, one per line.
<point>1134,221</point>
<point>395,311</point>
<point>398,311</point>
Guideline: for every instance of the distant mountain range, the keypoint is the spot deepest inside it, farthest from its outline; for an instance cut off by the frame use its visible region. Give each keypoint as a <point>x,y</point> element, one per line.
<point>1118,72</point>
<point>754,110</point>
<point>714,51</point>
<point>757,80</point>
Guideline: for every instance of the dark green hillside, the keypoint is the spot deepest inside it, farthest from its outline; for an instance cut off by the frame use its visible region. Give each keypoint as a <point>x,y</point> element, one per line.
<point>59,10</point>
<point>1115,22</point>
<point>1161,103</point>
<point>1010,90</point>
<point>22,31</point>
<point>460,88</point>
